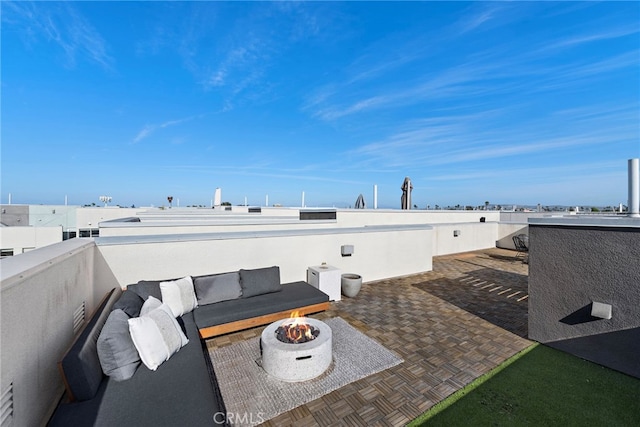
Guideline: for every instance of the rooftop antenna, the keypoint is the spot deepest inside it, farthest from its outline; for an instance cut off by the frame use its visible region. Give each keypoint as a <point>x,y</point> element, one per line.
<point>375,196</point>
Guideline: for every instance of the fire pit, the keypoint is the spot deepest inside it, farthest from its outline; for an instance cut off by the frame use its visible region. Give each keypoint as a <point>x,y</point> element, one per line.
<point>296,349</point>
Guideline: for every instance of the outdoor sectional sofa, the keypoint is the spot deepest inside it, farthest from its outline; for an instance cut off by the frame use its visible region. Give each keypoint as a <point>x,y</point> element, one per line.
<point>107,386</point>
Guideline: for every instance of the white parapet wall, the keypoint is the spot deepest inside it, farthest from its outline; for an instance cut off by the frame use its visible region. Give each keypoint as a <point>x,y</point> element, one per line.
<point>90,217</point>
<point>24,239</point>
<point>198,221</point>
<point>363,217</point>
<point>379,252</point>
<point>41,290</point>
<point>463,237</point>
<point>507,230</point>
<point>157,227</point>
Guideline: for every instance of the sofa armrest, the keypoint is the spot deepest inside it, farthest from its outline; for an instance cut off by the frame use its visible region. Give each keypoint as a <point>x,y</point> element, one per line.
<point>80,367</point>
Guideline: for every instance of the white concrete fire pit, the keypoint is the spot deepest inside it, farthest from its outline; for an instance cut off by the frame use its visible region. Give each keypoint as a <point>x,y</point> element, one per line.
<point>296,361</point>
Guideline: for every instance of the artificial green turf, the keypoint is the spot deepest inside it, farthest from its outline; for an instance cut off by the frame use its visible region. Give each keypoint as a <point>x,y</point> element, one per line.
<point>542,386</point>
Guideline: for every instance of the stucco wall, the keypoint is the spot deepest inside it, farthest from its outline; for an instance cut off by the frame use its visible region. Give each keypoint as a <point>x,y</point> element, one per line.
<point>358,217</point>
<point>154,228</point>
<point>573,263</point>
<point>50,215</point>
<point>470,237</point>
<point>24,239</point>
<point>507,230</point>
<point>40,292</point>
<point>13,215</point>
<point>379,252</point>
<point>91,217</point>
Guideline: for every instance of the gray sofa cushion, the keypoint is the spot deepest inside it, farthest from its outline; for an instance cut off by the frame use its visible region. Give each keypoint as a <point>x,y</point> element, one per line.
<point>117,353</point>
<point>182,392</point>
<point>130,303</point>
<point>80,365</point>
<point>147,288</point>
<point>292,296</point>
<point>217,287</point>
<point>260,281</point>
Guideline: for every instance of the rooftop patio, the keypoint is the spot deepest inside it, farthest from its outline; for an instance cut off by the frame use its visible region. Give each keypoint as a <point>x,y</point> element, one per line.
<point>450,325</point>
<point>451,314</point>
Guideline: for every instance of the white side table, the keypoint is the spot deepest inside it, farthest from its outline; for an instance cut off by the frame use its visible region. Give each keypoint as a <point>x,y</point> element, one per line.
<point>327,279</point>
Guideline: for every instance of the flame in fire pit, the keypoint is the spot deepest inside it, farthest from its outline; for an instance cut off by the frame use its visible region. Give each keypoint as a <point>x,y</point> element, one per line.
<point>296,330</point>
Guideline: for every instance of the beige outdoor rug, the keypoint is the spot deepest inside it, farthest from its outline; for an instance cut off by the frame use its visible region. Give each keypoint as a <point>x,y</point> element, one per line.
<point>253,397</point>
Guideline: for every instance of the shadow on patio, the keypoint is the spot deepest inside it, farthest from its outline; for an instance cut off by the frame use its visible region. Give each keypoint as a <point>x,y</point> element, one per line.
<point>490,286</point>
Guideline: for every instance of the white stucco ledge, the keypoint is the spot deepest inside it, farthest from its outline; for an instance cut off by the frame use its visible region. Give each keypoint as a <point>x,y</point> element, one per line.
<point>588,221</point>
<point>126,240</point>
<point>212,222</point>
<point>19,267</point>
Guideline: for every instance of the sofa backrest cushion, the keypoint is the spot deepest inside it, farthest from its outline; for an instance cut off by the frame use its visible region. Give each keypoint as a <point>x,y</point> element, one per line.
<point>217,287</point>
<point>147,288</point>
<point>130,303</point>
<point>260,281</point>
<point>179,295</point>
<point>80,366</point>
<point>117,353</point>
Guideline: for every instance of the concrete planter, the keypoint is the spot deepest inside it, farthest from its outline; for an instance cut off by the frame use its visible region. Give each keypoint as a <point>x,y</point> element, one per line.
<point>351,284</point>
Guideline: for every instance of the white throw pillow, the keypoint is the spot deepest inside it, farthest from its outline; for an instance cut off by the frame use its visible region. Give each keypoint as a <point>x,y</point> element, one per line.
<point>149,305</point>
<point>179,295</point>
<point>156,335</point>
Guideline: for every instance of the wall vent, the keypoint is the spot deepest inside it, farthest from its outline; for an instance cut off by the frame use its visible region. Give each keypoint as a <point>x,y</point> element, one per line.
<point>78,318</point>
<point>317,214</point>
<point>6,411</point>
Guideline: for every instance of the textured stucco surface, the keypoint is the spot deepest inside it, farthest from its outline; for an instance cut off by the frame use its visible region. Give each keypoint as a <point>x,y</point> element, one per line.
<point>14,215</point>
<point>571,266</point>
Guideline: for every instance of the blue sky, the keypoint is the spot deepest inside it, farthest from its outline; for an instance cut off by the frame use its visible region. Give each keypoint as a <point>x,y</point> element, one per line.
<point>506,102</point>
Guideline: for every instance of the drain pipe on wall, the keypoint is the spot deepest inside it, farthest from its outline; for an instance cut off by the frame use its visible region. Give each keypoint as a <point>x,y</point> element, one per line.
<point>634,188</point>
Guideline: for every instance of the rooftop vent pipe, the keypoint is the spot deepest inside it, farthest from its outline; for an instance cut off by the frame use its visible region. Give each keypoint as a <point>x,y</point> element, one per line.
<point>634,188</point>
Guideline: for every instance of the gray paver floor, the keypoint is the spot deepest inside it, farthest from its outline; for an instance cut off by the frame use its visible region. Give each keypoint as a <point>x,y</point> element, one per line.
<point>450,325</point>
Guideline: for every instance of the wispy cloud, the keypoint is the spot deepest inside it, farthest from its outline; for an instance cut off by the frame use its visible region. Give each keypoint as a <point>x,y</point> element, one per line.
<point>483,76</point>
<point>241,57</point>
<point>598,35</point>
<point>483,137</point>
<point>144,133</point>
<point>474,20</point>
<point>624,60</point>
<point>61,24</point>
<point>580,73</point>
<point>455,81</point>
<point>423,135</point>
<point>149,129</point>
<point>487,15</point>
<point>527,172</point>
<point>504,68</point>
